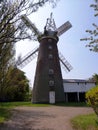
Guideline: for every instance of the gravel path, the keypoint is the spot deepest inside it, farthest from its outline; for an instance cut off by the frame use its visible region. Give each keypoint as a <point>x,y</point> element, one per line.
<point>43,118</point>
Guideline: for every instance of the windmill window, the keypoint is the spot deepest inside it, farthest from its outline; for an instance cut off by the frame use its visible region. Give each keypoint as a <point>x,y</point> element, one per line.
<point>51,71</point>
<point>51,83</point>
<point>50,56</point>
<point>50,47</point>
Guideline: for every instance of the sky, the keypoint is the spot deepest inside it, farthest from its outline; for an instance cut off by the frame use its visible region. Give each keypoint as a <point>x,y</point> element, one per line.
<point>81,16</point>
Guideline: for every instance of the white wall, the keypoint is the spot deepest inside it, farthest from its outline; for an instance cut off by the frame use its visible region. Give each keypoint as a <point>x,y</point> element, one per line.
<point>77,87</point>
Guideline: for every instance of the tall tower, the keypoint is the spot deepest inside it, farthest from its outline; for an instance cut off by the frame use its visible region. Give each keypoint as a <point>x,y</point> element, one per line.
<point>48,84</point>
<point>48,77</point>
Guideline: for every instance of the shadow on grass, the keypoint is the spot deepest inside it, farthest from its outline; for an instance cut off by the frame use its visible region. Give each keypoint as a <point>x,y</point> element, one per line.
<point>29,104</point>
<point>72,104</point>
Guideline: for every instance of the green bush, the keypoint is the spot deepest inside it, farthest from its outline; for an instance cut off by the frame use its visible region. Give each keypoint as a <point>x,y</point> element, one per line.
<point>92,98</point>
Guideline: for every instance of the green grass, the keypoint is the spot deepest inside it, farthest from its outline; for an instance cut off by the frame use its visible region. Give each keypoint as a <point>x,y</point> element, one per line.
<point>72,104</point>
<point>29,104</point>
<point>4,114</point>
<point>85,122</point>
<point>15,104</point>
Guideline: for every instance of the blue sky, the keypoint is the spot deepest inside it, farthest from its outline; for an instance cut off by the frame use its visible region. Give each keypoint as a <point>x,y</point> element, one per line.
<point>81,16</point>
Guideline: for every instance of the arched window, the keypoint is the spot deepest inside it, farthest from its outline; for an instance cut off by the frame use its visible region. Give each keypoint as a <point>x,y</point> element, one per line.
<point>50,47</point>
<point>50,56</point>
<point>51,83</point>
<point>51,71</point>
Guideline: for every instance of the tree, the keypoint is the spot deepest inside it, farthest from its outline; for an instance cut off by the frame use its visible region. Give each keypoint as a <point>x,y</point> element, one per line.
<point>10,16</point>
<point>6,58</point>
<point>7,51</point>
<point>92,94</point>
<point>94,78</point>
<point>17,86</point>
<point>92,98</point>
<point>93,39</point>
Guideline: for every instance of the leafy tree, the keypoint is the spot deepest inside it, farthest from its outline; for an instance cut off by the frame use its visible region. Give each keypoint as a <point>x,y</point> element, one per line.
<point>93,39</point>
<point>92,98</point>
<point>92,94</point>
<point>94,78</point>
<point>17,85</point>
<point>7,51</point>
<point>6,58</point>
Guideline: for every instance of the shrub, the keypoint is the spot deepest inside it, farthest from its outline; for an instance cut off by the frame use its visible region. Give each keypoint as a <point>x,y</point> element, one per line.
<point>92,98</point>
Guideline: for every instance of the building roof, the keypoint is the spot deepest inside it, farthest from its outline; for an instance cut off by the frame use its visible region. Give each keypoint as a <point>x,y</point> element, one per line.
<point>77,81</point>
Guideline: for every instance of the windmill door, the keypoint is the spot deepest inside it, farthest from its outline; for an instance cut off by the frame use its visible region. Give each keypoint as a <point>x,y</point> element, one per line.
<point>52,97</point>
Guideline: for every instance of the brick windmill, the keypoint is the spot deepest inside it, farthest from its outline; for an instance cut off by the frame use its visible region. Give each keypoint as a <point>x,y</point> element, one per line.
<point>48,83</point>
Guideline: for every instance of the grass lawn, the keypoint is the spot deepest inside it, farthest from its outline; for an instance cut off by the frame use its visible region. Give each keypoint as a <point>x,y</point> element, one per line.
<point>4,114</point>
<point>72,104</point>
<point>85,122</point>
<point>15,104</point>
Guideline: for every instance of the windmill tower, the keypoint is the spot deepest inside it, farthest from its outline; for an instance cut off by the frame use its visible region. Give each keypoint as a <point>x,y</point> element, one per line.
<point>48,83</point>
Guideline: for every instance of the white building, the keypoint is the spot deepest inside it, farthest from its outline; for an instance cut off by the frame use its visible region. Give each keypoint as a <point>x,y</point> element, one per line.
<point>75,89</point>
